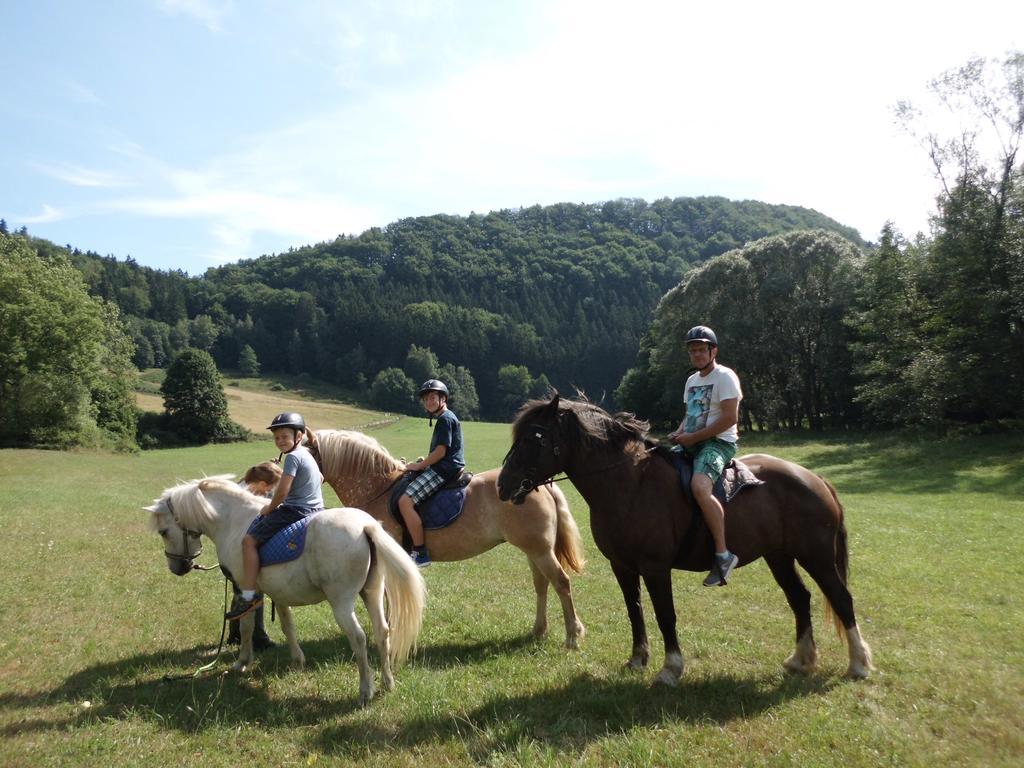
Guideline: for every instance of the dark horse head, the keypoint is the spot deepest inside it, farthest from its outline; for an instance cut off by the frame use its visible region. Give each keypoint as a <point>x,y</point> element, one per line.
<point>547,438</point>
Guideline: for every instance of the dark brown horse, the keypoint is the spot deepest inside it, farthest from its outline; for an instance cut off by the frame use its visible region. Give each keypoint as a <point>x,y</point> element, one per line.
<point>641,522</point>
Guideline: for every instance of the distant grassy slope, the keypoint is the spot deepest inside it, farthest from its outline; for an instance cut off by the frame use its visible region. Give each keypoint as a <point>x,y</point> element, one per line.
<point>252,403</point>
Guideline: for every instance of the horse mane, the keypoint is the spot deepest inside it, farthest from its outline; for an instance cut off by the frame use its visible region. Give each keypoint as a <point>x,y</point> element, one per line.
<point>191,509</point>
<point>353,452</point>
<point>590,425</point>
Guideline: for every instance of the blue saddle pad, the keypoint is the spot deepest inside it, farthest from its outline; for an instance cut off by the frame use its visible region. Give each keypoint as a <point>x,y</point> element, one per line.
<point>285,545</point>
<point>442,509</point>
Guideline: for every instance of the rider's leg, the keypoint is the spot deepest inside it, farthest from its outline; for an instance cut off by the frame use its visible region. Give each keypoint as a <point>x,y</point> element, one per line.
<point>251,565</point>
<point>412,520</point>
<point>711,509</point>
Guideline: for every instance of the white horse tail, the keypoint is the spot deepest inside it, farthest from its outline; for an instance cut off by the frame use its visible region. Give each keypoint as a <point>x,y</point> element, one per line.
<point>405,589</point>
<point>568,545</point>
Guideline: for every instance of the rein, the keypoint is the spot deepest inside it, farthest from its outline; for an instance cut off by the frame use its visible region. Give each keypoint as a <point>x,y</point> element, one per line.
<point>185,533</point>
<point>186,558</point>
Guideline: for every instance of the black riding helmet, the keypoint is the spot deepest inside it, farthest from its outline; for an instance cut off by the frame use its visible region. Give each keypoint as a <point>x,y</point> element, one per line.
<point>433,385</point>
<point>293,420</point>
<point>702,333</point>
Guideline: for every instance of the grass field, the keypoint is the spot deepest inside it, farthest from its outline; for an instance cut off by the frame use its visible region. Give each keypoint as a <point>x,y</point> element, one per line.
<point>92,620</point>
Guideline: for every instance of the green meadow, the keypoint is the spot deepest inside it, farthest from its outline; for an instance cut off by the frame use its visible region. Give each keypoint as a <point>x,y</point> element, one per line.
<point>93,621</point>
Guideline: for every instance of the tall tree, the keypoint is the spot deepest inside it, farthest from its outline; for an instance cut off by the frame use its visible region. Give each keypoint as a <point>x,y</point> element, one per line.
<point>197,409</point>
<point>421,364</point>
<point>248,363</point>
<point>974,262</point>
<point>66,376</point>
<point>777,306</point>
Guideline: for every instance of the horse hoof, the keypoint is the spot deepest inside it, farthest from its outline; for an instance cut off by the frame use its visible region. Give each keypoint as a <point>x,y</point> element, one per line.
<point>858,672</point>
<point>666,677</point>
<point>795,666</point>
<point>635,664</point>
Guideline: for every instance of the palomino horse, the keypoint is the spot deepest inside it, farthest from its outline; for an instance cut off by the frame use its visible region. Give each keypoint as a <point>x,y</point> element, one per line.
<point>362,473</point>
<point>641,522</point>
<point>347,554</point>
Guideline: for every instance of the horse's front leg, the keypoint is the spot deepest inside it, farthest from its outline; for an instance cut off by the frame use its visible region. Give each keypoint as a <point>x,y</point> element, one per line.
<point>659,587</point>
<point>629,583</point>
<point>245,654</point>
<point>288,627</point>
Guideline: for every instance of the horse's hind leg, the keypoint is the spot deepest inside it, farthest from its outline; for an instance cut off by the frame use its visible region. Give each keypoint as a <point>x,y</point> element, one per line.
<point>805,656</point>
<point>841,601</point>
<point>373,599</point>
<point>546,569</point>
<point>540,586</point>
<point>345,615</point>
<point>288,627</point>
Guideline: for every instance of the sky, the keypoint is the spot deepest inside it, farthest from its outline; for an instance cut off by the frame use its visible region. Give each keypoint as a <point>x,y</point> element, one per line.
<point>192,133</point>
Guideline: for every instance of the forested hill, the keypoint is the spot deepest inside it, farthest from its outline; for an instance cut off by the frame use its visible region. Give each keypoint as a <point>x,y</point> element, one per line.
<point>564,291</point>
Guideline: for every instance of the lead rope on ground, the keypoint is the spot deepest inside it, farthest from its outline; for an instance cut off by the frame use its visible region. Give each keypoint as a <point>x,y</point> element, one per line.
<point>220,646</point>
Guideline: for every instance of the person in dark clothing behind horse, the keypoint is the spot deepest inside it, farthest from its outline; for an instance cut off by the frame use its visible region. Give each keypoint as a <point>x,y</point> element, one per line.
<point>708,435</point>
<point>260,479</point>
<point>444,462</point>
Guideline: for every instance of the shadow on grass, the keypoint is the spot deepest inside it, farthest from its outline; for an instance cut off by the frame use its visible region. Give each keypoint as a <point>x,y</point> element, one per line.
<point>570,717</point>
<point>566,717</point>
<point>137,686</point>
<point>908,463</point>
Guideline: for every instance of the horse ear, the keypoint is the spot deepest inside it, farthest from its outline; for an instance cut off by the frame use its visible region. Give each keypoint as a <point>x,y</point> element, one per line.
<point>553,405</point>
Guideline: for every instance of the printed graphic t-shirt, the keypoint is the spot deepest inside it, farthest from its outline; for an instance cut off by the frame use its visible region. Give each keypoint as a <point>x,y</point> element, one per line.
<point>704,396</point>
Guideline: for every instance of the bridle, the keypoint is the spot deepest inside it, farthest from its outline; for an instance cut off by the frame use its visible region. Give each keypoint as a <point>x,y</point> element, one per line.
<point>186,534</point>
<point>539,434</point>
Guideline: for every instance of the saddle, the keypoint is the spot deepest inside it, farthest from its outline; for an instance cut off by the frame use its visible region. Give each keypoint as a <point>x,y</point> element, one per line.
<point>734,479</point>
<point>285,545</point>
<point>439,510</point>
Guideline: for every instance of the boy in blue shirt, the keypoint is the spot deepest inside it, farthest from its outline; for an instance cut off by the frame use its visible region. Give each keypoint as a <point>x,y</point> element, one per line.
<point>444,462</point>
<point>297,496</point>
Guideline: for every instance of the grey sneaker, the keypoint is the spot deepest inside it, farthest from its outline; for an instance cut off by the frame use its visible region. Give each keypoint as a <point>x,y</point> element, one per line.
<point>721,570</point>
<point>420,558</point>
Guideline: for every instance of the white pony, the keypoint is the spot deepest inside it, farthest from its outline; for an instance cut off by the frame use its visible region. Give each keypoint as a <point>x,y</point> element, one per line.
<point>347,553</point>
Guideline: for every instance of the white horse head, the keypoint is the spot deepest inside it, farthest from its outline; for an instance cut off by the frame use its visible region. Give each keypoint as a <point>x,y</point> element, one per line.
<point>182,514</point>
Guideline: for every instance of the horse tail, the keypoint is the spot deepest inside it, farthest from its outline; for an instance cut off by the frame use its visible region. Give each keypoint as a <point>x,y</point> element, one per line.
<point>842,559</point>
<point>405,589</point>
<point>568,545</point>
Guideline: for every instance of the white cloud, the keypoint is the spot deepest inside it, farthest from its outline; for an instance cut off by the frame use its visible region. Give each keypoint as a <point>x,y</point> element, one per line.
<point>209,13</point>
<point>49,215</point>
<point>83,94</point>
<point>83,177</point>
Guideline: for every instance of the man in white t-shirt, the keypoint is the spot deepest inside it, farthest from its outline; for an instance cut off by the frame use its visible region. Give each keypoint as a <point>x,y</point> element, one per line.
<point>708,435</point>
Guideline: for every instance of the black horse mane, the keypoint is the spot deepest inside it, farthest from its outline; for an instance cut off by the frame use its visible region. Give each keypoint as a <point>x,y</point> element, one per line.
<point>591,424</point>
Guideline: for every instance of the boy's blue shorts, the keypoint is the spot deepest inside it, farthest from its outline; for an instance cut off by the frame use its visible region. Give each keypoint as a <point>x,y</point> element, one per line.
<point>264,528</point>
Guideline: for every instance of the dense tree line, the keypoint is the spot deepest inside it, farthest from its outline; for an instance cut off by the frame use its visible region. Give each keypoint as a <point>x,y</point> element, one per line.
<point>906,333</point>
<point>508,303</point>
